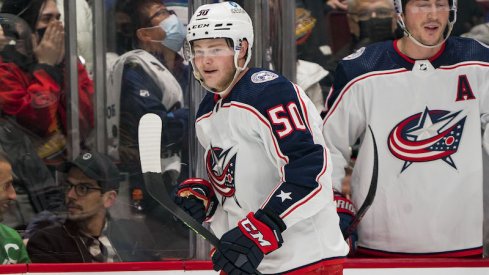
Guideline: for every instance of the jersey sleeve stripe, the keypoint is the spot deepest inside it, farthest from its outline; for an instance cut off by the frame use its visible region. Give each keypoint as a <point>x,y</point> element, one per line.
<point>204,116</point>
<point>330,93</point>
<point>354,81</point>
<point>303,107</point>
<point>464,64</point>
<point>325,164</point>
<point>304,110</point>
<point>301,202</point>
<point>271,194</point>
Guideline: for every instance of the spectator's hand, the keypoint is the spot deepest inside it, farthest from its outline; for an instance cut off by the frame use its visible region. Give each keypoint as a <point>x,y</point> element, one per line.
<point>338,4</point>
<point>51,49</point>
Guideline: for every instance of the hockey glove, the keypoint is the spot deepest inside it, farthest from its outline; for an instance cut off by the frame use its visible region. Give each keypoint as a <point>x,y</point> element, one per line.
<point>197,198</point>
<point>346,212</point>
<point>243,247</point>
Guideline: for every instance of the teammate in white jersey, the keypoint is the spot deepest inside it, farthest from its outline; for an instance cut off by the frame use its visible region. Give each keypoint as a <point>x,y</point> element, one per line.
<point>426,98</point>
<point>270,198</point>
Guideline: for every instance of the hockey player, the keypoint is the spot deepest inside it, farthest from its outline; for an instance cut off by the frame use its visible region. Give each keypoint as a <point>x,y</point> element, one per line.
<point>426,98</point>
<point>270,191</point>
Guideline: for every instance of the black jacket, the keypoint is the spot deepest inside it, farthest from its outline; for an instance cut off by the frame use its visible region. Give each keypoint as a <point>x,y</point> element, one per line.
<point>63,243</point>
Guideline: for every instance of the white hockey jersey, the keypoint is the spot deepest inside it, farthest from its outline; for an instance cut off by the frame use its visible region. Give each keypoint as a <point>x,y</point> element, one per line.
<point>264,149</point>
<point>426,116</point>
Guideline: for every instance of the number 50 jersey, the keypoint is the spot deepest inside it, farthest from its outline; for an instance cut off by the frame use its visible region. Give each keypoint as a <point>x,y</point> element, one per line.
<point>264,149</point>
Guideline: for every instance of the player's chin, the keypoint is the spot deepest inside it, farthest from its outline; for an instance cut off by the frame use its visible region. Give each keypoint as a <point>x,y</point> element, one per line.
<point>211,84</point>
<point>431,40</point>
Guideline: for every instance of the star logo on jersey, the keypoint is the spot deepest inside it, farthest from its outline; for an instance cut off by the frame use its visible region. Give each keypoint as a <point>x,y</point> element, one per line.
<point>427,136</point>
<point>284,196</point>
<point>220,166</point>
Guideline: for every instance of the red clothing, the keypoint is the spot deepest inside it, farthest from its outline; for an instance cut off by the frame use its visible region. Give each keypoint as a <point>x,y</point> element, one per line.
<point>38,101</point>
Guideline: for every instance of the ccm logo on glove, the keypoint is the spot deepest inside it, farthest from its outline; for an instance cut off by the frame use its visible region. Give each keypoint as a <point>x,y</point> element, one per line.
<point>262,235</point>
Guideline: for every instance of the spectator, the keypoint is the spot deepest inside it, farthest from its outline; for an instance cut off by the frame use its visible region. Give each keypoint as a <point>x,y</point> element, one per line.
<point>369,21</point>
<point>89,234</point>
<point>35,184</point>
<point>308,73</point>
<point>32,88</point>
<point>12,249</point>
<point>425,98</point>
<point>310,50</point>
<point>150,79</point>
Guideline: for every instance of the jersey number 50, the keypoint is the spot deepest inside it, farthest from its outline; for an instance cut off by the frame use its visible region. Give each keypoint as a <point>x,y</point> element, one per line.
<point>280,115</point>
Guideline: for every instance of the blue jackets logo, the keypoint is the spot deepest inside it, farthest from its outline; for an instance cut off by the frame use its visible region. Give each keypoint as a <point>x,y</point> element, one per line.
<point>427,136</point>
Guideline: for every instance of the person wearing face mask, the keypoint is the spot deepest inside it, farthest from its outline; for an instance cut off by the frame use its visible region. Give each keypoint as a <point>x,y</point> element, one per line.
<point>32,87</point>
<point>152,78</point>
<point>369,21</point>
<point>33,101</point>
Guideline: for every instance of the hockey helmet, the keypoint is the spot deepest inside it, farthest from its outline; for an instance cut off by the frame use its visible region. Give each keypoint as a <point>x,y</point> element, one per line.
<point>399,6</point>
<point>221,20</point>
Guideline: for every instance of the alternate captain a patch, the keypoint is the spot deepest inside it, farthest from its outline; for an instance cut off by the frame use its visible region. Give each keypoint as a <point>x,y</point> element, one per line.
<point>427,136</point>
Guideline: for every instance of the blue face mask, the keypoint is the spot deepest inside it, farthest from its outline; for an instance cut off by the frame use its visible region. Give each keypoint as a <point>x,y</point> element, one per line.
<point>175,33</point>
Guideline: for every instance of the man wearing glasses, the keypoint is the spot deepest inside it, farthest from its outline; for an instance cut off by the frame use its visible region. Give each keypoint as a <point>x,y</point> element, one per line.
<point>89,234</point>
<point>12,249</point>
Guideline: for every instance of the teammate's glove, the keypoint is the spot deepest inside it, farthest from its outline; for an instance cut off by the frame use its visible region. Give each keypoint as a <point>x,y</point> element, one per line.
<point>243,247</point>
<point>346,212</point>
<point>197,198</point>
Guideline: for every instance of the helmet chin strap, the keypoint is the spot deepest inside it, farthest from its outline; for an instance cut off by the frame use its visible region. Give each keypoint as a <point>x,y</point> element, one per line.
<point>223,92</point>
<point>236,74</point>
<point>417,42</point>
<point>214,91</point>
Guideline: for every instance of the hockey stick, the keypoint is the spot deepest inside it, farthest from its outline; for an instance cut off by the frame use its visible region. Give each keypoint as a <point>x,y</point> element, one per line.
<point>371,192</point>
<point>149,133</point>
<point>149,151</point>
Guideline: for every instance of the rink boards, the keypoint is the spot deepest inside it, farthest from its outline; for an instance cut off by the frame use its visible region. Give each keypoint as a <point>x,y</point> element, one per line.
<point>352,267</point>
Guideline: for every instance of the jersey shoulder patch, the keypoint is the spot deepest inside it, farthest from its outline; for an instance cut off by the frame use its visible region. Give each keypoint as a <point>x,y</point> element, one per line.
<point>263,76</point>
<point>356,54</point>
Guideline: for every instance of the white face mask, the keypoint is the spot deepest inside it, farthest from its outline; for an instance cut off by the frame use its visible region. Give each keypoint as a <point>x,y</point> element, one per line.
<point>175,33</point>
